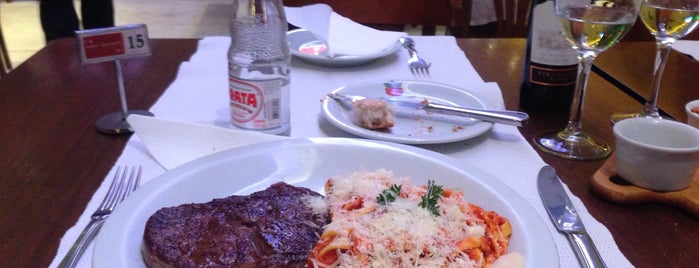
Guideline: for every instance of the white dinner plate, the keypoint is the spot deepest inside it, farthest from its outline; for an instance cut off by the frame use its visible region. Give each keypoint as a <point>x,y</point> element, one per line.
<point>309,47</point>
<point>309,163</point>
<point>418,127</point>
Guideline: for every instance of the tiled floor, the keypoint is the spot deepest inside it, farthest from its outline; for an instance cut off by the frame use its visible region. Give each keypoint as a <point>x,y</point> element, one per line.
<point>21,27</point>
<point>22,31</point>
<point>20,23</point>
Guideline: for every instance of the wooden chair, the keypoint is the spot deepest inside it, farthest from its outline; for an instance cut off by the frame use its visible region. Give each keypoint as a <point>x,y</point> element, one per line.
<point>5,63</point>
<point>396,14</point>
<point>512,17</point>
<point>511,20</point>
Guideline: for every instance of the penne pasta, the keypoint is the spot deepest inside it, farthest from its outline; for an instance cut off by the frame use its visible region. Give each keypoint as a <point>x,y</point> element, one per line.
<point>381,221</point>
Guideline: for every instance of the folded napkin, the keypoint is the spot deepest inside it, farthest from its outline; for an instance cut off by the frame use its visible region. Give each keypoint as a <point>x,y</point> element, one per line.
<point>343,36</point>
<point>171,143</point>
<point>689,47</point>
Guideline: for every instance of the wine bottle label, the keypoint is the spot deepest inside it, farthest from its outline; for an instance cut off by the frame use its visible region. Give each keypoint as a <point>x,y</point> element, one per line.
<point>553,60</point>
<point>542,75</point>
<point>255,104</point>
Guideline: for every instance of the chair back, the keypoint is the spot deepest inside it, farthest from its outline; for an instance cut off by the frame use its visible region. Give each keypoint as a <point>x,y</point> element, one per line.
<point>512,17</point>
<point>511,20</point>
<point>5,63</point>
<point>396,14</point>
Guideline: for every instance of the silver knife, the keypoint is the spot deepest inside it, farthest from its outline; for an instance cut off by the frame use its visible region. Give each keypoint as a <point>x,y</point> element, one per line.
<point>566,219</point>
<point>513,118</point>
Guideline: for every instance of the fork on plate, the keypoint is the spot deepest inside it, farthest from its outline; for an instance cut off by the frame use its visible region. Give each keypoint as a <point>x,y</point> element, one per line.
<point>124,183</point>
<point>417,65</point>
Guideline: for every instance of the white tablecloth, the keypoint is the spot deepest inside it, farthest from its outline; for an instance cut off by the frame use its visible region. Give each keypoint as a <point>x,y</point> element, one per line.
<point>200,95</point>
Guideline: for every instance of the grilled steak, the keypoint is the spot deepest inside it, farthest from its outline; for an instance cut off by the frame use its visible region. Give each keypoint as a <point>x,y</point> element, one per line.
<point>270,228</point>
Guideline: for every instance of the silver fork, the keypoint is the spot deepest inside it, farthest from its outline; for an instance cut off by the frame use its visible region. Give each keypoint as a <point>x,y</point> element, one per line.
<point>123,184</point>
<point>417,65</point>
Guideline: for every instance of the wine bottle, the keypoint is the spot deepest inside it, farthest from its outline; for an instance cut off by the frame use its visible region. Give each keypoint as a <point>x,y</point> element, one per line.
<point>550,63</point>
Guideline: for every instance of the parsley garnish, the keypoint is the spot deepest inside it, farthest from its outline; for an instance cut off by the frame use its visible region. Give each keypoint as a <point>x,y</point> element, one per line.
<point>429,200</point>
<point>389,195</point>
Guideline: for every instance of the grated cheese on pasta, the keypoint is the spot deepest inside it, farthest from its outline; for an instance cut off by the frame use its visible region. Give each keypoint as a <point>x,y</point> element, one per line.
<point>364,233</point>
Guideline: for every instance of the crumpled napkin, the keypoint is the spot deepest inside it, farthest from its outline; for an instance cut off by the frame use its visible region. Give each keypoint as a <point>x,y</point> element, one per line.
<point>343,36</point>
<point>689,47</point>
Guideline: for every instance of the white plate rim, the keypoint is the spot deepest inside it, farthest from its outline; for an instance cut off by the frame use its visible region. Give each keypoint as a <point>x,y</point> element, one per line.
<point>537,241</point>
<point>341,61</point>
<point>339,120</point>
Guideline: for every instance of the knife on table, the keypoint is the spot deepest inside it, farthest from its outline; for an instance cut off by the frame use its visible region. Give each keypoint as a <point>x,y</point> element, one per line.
<point>512,118</point>
<point>566,219</point>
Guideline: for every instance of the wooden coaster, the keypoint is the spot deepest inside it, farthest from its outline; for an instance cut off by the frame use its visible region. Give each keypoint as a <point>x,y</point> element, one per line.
<point>606,183</point>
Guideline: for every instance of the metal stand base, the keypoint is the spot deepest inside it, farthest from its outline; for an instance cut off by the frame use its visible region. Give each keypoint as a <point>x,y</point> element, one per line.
<point>115,123</point>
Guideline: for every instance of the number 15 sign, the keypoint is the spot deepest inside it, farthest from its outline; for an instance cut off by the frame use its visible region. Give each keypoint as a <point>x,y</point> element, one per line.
<point>113,43</point>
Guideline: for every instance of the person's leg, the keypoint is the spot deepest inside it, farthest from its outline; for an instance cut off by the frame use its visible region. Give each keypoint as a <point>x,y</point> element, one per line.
<point>58,18</point>
<point>97,13</point>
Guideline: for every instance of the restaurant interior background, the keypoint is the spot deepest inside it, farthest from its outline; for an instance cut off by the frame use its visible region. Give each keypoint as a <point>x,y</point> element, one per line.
<point>21,27</point>
<point>23,35</point>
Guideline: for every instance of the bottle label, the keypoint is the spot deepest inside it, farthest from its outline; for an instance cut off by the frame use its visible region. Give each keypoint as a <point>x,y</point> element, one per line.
<point>549,45</point>
<point>542,75</point>
<point>255,104</point>
<point>553,60</point>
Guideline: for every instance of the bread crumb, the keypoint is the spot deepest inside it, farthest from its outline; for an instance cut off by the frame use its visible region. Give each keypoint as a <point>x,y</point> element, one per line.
<point>373,114</point>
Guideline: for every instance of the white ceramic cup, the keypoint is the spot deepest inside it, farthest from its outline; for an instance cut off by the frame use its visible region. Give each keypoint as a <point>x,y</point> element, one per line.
<point>692,116</point>
<point>656,154</point>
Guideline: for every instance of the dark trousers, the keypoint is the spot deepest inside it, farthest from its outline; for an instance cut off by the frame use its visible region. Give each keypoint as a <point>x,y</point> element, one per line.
<point>59,19</point>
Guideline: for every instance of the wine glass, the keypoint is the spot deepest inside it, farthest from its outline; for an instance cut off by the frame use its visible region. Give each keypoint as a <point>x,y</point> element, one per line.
<point>591,27</point>
<point>667,20</point>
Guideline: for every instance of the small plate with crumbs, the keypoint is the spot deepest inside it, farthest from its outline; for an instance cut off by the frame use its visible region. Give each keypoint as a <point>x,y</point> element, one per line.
<point>411,126</point>
<point>312,49</point>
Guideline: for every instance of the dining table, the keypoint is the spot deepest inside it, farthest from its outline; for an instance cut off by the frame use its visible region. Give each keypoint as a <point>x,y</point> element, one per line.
<point>631,70</point>
<point>53,160</point>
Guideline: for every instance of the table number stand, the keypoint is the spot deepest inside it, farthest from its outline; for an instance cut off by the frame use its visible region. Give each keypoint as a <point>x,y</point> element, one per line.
<point>113,44</point>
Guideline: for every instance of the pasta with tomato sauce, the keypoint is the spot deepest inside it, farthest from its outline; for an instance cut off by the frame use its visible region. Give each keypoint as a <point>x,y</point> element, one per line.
<point>368,228</point>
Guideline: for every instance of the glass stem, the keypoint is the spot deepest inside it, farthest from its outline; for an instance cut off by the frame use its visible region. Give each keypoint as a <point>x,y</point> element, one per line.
<point>574,129</point>
<point>663,50</point>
